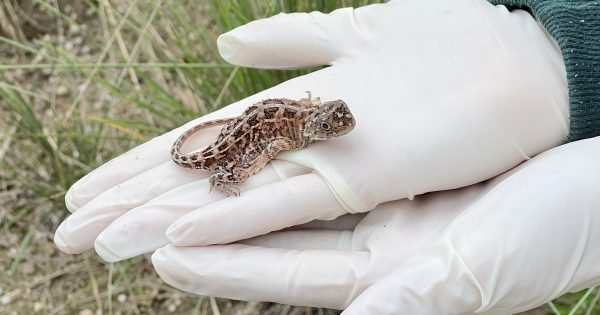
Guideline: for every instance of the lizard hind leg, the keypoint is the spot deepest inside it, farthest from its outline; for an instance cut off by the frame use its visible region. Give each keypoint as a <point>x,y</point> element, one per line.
<point>226,183</point>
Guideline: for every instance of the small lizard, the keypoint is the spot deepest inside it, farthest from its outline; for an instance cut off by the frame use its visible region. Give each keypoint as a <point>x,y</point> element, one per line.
<point>248,142</point>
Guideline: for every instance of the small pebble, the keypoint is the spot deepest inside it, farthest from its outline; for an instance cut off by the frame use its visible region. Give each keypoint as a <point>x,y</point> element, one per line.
<point>62,90</point>
<point>38,307</point>
<point>172,308</point>
<point>27,268</point>
<point>74,28</point>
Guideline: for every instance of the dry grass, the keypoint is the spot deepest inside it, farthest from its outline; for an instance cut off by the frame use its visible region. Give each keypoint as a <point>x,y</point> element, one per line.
<point>81,82</point>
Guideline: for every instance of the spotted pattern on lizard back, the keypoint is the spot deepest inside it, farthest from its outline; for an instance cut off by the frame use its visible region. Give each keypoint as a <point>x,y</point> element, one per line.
<point>248,142</point>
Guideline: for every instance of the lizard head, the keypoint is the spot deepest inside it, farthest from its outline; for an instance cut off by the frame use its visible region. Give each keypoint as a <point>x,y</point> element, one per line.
<point>329,120</point>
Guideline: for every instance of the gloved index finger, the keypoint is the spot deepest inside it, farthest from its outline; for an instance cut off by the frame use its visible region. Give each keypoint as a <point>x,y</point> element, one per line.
<point>261,210</point>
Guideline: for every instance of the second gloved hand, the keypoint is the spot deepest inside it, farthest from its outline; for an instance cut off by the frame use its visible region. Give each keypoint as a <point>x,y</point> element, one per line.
<point>499,247</point>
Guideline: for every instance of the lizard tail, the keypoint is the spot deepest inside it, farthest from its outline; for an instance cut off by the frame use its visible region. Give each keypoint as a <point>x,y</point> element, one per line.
<point>190,160</point>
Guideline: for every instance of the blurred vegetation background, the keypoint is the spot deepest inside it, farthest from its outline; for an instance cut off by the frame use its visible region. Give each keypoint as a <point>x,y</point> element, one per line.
<point>82,82</point>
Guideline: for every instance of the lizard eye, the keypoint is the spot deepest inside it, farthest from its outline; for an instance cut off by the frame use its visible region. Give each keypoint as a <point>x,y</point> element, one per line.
<point>325,126</point>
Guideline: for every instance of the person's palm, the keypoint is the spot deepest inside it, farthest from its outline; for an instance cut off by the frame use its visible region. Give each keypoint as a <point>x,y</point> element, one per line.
<point>445,94</point>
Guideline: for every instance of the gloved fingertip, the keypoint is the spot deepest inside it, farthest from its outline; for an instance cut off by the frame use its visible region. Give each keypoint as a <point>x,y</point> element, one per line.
<point>229,46</point>
<point>61,241</point>
<point>171,232</point>
<point>105,252</point>
<point>177,233</point>
<point>158,258</point>
<point>71,206</point>
<point>163,267</point>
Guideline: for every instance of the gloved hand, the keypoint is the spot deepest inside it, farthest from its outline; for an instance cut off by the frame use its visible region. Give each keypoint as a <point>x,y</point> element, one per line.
<point>511,244</point>
<point>445,94</point>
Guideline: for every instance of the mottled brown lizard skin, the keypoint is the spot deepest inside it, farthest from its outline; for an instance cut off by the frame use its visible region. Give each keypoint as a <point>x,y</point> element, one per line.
<point>248,142</point>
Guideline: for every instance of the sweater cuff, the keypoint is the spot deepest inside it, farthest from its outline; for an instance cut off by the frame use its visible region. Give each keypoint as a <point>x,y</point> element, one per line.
<point>575,25</point>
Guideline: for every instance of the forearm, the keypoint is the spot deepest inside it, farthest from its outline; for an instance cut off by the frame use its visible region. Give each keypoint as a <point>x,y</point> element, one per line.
<point>575,24</point>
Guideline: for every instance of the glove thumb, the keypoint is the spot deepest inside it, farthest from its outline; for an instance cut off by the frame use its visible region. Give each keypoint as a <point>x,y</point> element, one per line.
<point>287,41</point>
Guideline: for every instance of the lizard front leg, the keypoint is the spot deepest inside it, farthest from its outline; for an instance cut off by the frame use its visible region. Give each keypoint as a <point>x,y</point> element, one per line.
<point>278,145</point>
<point>226,180</point>
<point>271,151</point>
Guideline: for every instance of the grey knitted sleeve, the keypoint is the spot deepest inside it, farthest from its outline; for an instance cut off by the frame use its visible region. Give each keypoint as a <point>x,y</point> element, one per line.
<point>575,24</point>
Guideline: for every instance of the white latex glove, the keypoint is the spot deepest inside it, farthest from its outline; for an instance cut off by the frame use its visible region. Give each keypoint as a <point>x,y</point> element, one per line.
<point>512,243</point>
<point>445,94</point>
